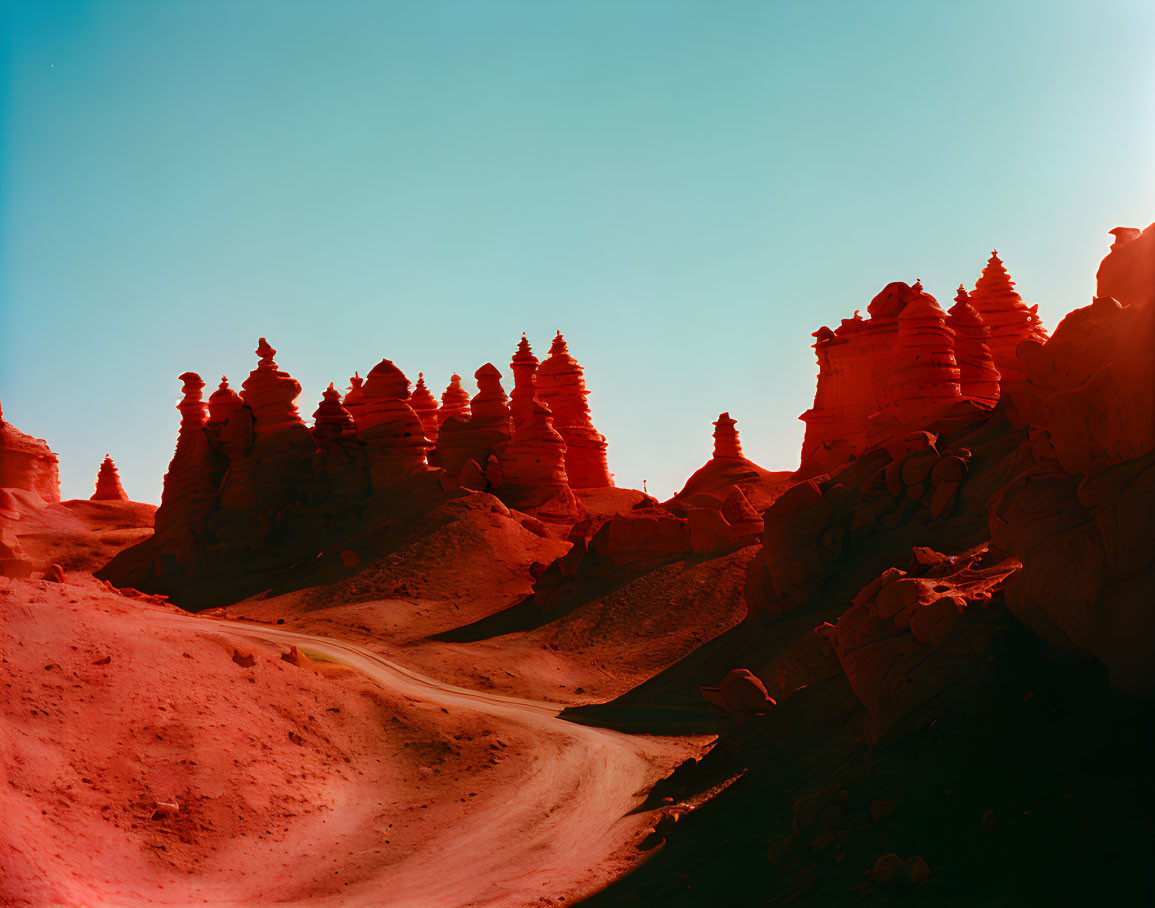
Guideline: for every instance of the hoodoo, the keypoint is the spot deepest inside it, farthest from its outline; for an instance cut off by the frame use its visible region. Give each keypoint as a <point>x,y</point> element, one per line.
<point>926,374</point>
<point>331,419</point>
<point>978,377</point>
<point>354,400</point>
<point>454,401</point>
<point>561,387</point>
<point>193,477</point>
<point>271,395</point>
<point>533,465</point>
<point>524,365</point>
<point>726,444</point>
<point>108,487</point>
<point>1010,320</point>
<point>424,404</point>
<point>397,443</point>
<point>223,402</point>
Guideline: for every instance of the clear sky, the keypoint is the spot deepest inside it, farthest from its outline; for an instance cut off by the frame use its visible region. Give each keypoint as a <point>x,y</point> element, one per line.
<point>686,189</point>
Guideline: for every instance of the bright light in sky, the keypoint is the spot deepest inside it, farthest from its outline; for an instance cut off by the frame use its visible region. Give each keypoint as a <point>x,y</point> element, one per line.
<point>686,189</point>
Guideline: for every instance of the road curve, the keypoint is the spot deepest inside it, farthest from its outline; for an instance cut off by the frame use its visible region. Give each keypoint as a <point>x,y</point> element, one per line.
<point>563,834</point>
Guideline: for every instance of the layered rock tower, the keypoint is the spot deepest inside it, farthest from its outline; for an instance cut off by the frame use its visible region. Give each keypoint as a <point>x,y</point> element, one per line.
<point>561,387</point>
<point>978,377</point>
<point>1010,320</point>
<point>108,487</point>
<point>862,398</point>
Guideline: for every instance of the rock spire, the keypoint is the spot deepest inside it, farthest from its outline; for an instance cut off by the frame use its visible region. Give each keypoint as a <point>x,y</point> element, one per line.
<point>108,487</point>
<point>561,387</point>
<point>1010,320</point>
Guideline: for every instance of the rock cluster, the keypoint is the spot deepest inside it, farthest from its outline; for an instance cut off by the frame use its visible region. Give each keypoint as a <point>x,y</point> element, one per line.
<point>250,477</point>
<point>909,363</point>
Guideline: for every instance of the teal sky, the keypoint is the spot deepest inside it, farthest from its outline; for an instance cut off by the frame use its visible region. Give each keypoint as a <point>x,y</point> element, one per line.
<point>686,190</point>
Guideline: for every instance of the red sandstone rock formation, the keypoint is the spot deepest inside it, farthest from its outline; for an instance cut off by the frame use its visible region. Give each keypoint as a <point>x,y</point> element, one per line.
<point>1079,516</point>
<point>484,434</point>
<point>223,402</point>
<point>854,365</point>
<point>390,428</point>
<point>354,400</point>
<point>108,487</point>
<point>561,387</point>
<point>978,377</point>
<point>1008,317</point>
<point>271,395</point>
<point>282,446</point>
<point>925,377</point>
<point>1128,272</point>
<point>193,477</point>
<point>331,420</point>
<point>424,404</point>
<point>524,366</point>
<point>726,444</point>
<point>27,463</point>
<point>454,401</point>
<point>912,639</point>
<point>533,467</point>
<point>728,470</point>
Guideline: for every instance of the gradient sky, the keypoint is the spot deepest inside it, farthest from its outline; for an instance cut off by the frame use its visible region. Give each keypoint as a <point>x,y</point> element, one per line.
<point>687,190</point>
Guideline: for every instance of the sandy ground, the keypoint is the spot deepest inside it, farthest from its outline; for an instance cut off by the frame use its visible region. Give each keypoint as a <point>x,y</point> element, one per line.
<point>353,781</point>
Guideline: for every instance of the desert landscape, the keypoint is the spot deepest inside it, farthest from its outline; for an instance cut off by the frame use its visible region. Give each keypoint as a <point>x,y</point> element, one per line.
<point>419,649</point>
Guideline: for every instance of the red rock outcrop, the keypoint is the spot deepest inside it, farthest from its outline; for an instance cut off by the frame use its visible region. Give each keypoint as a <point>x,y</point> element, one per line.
<point>27,463</point>
<point>454,401</point>
<point>854,365</point>
<point>561,387</point>
<point>331,420</point>
<point>925,376</point>
<point>524,365</point>
<point>533,467</point>
<point>1008,317</point>
<point>271,395</point>
<point>978,377</point>
<point>912,639</point>
<point>727,471</point>
<point>1079,515</point>
<point>485,432</point>
<point>390,428</point>
<point>282,446</point>
<point>223,402</point>
<point>424,404</point>
<point>1128,272</point>
<point>726,444</point>
<point>108,487</point>
<point>193,477</point>
<point>354,400</point>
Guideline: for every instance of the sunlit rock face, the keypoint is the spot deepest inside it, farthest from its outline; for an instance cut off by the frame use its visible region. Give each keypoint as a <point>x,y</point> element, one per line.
<point>909,364</point>
<point>27,463</point>
<point>108,487</point>
<point>561,387</point>
<point>1079,515</point>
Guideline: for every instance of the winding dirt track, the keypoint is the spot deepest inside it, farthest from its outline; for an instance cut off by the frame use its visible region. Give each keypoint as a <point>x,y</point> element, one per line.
<point>563,834</point>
